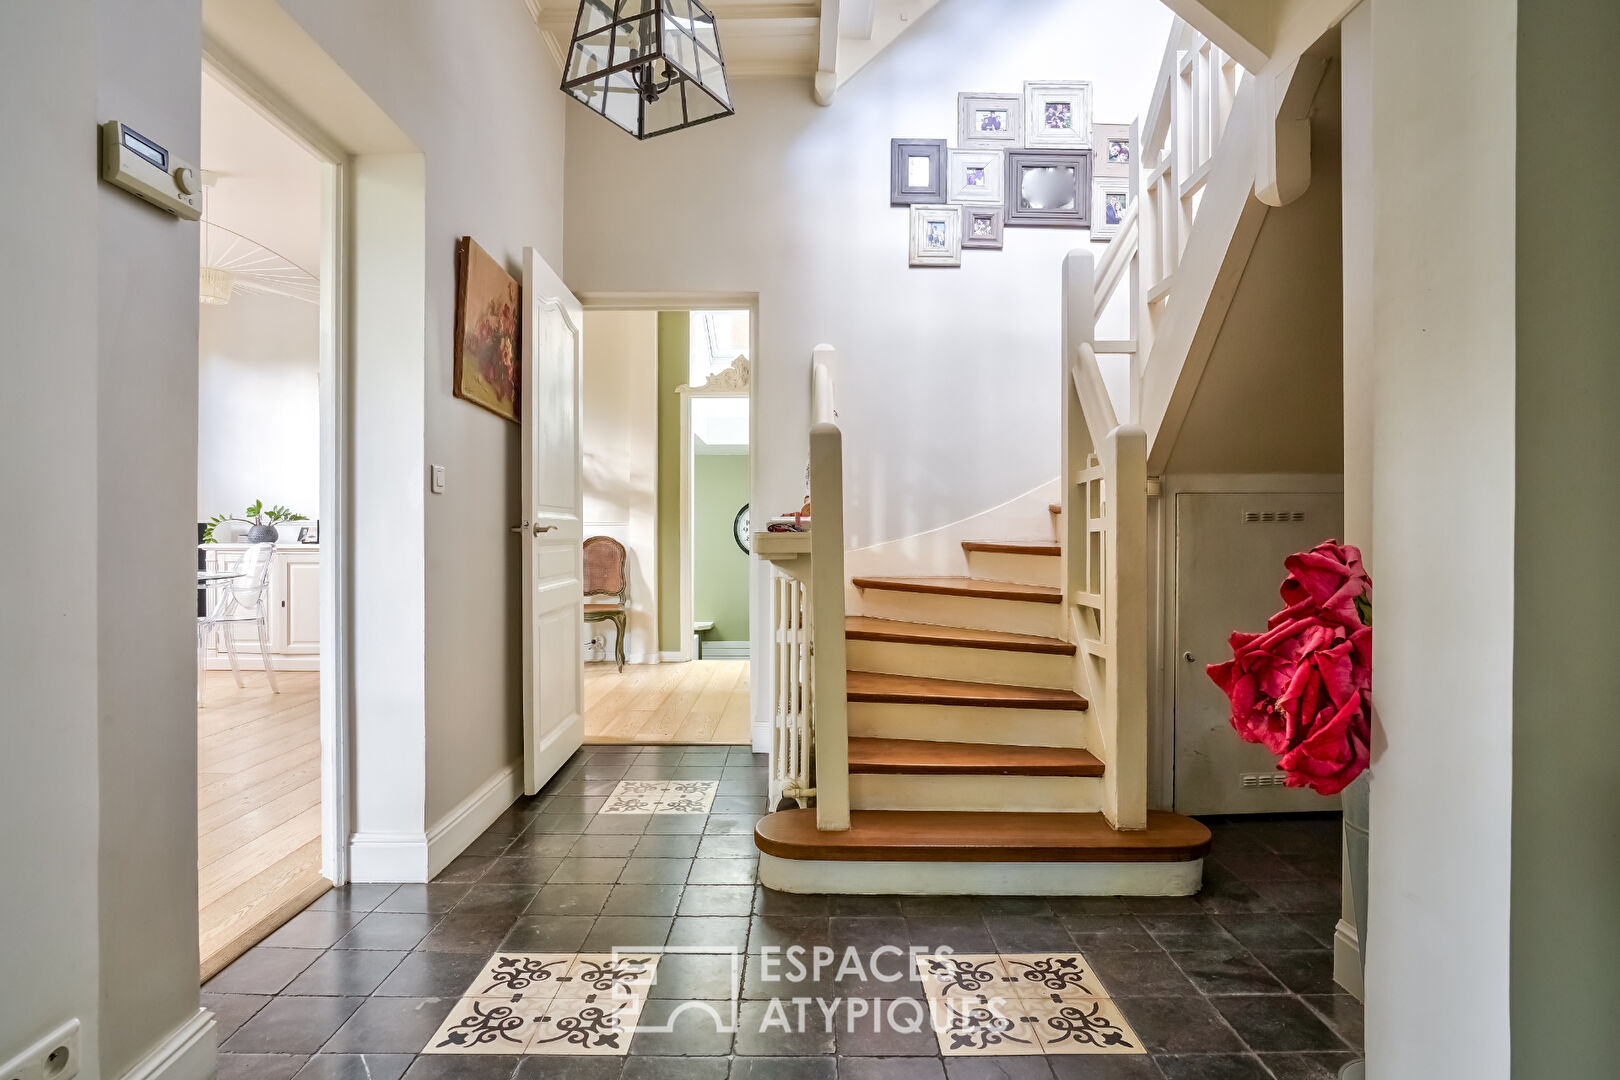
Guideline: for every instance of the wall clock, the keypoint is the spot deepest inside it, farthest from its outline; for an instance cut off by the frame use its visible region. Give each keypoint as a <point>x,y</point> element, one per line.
<point>739,529</point>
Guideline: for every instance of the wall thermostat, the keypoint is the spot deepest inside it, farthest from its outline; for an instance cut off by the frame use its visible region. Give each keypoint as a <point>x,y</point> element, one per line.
<point>146,169</point>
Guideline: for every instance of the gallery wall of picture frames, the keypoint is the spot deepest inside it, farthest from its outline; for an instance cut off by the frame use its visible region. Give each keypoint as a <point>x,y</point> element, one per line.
<point>1033,159</point>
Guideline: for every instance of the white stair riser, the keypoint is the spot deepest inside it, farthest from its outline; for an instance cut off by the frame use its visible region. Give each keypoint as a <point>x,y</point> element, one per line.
<point>988,878</point>
<point>977,612</point>
<point>969,724</point>
<point>1025,569</point>
<point>997,666</point>
<point>1011,794</point>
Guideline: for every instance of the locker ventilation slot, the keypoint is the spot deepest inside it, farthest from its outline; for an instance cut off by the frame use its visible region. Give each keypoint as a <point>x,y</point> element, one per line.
<point>1267,517</point>
<point>1253,780</point>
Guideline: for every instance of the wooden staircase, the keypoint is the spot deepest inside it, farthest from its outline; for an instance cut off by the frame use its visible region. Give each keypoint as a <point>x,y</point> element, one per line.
<point>968,744</point>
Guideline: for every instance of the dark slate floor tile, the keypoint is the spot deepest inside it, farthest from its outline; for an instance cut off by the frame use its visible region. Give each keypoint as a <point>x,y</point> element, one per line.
<point>1163,905</point>
<point>558,823</point>
<point>1307,972</point>
<point>629,899</point>
<point>1110,1067</point>
<point>389,930</point>
<point>723,846</point>
<point>775,976</point>
<point>604,847</point>
<point>619,824</point>
<point>685,976</point>
<point>893,1028</point>
<point>1212,1067</point>
<point>385,1025</point>
<point>731,824</point>
<point>1177,933</point>
<point>717,900</point>
<point>864,935</point>
<point>570,900</point>
<point>710,932</point>
<point>259,1066</point>
<point>433,974</point>
<point>292,1025</point>
<point>930,907</point>
<point>467,1067</point>
<point>868,907</point>
<point>656,871</point>
<point>542,845</point>
<point>1254,866</point>
<point>262,970</point>
<point>497,899</point>
<point>1014,905</point>
<point>782,1068</point>
<point>1272,930</point>
<point>1342,1013</point>
<point>676,824</point>
<point>771,902</point>
<point>1133,974</point>
<point>432,899</point>
<point>959,933</point>
<point>355,972</point>
<point>1181,1025</point>
<point>465,868</point>
<point>516,870</point>
<point>1320,1066</point>
<point>667,846</point>
<point>784,931</point>
<point>760,1034</point>
<point>1087,905</point>
<point>563,1067</point>
<point>1277,1024</point>
<point>626,932</point>
<point>1306,895</point>
<point>1029,933</point>
<point>231,1011</point>
<point>362,897</point>
<point>724,872</point>
<point>544,933</point>
<point>890,1068</point>
<point>489,844</point>
<point>588,870</point>
<point>999,1068</point>
<point>1227,971</point>
<point>693,1030</point>
<point>676,1068</point>
<point>356,1067</point>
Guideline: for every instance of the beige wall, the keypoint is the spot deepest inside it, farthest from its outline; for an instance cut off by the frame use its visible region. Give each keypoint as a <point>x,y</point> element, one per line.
<point>1270,398</point>
<point>620,434</point>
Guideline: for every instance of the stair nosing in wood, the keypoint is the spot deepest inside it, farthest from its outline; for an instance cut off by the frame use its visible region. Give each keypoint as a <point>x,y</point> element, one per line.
<point>980,837</point>
<point>900,632</point>
<point>1046,548</point>
<point>919,757</point>
<point>971,588</point>
<point>918,690</point>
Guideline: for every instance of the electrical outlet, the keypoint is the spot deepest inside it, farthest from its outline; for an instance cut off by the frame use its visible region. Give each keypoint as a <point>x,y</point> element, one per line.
<point>436,472</point>
<point>55,1057</point>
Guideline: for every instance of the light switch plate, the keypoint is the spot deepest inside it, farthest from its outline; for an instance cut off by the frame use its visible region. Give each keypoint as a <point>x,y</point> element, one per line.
<point>437,482</point>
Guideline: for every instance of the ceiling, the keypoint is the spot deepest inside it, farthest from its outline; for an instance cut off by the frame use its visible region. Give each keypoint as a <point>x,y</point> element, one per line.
<point>265,186</point>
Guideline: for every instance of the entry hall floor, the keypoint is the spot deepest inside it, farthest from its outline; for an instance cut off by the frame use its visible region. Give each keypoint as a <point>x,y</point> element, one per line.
<point>1235,983</point>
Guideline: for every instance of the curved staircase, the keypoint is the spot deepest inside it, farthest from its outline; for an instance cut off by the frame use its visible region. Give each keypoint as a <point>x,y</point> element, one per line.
<point>967,744</point>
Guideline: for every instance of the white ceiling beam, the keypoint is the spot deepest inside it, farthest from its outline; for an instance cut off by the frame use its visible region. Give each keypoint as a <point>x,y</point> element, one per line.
<point>827,52</point>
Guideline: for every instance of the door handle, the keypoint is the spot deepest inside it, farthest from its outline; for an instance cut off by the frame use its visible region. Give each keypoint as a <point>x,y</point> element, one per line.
<point>539,528</point>
<point>520,527</point>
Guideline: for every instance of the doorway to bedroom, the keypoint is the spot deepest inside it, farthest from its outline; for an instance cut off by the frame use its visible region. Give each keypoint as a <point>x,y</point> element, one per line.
<point>668,474</point>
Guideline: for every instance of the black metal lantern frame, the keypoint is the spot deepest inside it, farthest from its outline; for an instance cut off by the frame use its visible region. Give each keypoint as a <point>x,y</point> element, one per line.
<point>649,66</point>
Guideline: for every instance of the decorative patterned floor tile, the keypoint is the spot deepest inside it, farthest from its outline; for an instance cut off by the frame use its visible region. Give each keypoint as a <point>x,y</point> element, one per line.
<point>985,1004</point>
<point>661,797</point>
<point>549,1003</point>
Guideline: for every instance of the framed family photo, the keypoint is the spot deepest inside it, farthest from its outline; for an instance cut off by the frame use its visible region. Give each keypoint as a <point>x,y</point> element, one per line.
<point>936,236</point>
<point>1057,115</point>
<point>1111,149</point>
<point>981,227</point>
<point>989,121</point>
<point>976,177</point>
<point>1111,200</point>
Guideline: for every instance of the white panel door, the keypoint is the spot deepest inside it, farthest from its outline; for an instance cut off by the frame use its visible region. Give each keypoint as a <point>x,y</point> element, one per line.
<point>1228,569</point>
<point>552,530</point>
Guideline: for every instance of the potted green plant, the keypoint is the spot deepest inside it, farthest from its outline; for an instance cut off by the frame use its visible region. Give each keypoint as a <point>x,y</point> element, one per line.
<point>260,519</point>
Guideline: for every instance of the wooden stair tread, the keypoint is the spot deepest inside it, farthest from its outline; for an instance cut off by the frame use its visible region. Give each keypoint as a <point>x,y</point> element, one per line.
<point>964,586</point>
<point>921,757</point>
<point>1014,547</point>
<point>865,628</point>
<point>871,686</point>
<point>969,837</point>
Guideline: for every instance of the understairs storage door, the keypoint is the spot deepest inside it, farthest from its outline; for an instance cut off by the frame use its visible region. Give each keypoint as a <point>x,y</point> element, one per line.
<point>1229,551</point>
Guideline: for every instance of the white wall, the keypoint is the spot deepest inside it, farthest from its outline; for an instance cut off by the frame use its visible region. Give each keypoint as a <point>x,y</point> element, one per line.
<point>474,88</point>
<point>258,407</point>
<point>49,948</point>
<point>620,434</point>
<point>947,378</point>
<point>1443,461</point>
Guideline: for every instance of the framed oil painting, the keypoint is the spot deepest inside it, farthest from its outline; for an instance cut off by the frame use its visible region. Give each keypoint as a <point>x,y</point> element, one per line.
<point>976,177</point>
<point>981,227</point>
<point>488,316</point>
<point>1057,115</point>
<point>916,171</point>
<point>989,121</point>
<point>1049,187</point>
<point>1111,148</point>
<point>936,236</point>
<point>1110,200</point>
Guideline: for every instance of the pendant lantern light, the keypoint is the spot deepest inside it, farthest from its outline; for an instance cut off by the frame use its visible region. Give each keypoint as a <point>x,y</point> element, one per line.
<point>650,66</point>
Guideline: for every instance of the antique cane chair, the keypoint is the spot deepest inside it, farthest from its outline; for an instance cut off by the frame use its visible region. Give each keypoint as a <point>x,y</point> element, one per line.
<point>605,576</point>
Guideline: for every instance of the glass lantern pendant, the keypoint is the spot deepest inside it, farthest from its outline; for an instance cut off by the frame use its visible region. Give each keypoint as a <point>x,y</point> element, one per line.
<point>650,66</point>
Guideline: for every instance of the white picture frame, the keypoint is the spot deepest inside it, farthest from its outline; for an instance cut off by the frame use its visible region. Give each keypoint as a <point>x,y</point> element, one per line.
<point>989,121</point>
<point>936,235</point>
<point>976,177</point>
<point>1110,201</point>
<point>1057,115</point>
<point>1111,149</point>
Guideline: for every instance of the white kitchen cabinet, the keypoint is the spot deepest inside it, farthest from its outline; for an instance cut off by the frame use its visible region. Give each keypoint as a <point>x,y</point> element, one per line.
<point>295,608</point>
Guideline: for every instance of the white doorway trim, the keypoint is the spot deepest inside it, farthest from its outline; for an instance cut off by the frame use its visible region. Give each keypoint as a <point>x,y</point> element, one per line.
<point>734,382</point>
<point>336,467</point>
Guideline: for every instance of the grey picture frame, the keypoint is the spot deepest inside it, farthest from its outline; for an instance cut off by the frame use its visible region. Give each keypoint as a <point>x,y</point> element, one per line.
<point>987,238</point>
<point>1055,211</point>
<point>905,188</point>
<point>968,135</point>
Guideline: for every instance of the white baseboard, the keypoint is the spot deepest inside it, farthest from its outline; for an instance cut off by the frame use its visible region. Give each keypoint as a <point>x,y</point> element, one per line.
<point>671,658</point>
<point>1347,959</point>
<point>450,835</point>
<point>186,1053</point>
<point>726,650</point>
<point>388,857</point>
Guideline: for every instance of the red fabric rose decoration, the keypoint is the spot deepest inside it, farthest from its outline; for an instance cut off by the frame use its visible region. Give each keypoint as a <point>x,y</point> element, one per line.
<point>1303,687</point>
